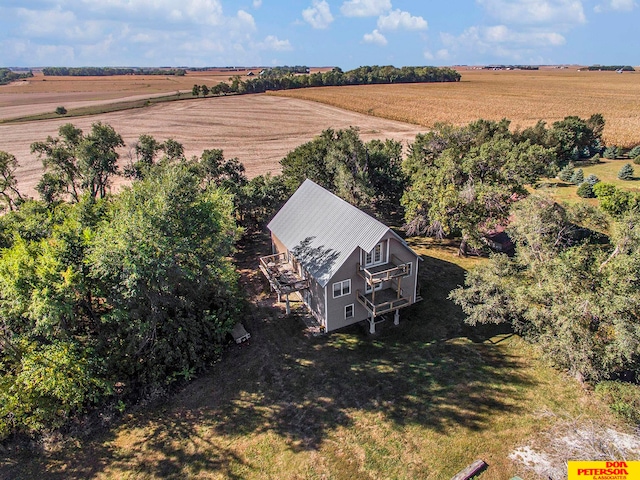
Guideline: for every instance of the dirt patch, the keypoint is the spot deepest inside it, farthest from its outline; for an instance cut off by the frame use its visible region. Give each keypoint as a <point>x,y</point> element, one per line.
<point>258,129</point>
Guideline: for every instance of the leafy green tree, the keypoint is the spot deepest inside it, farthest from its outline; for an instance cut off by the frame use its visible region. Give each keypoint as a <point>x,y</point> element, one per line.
<point>75,163</point>
<point>161,262</point>
<point>626,172</point>
<point>575,299</point>
<point>10,197</point>
<point>463,179</point>
<point>260,199</point>
<point>173,150</point>
<point>61,110</point>
<point>574,137</point>
<point>204,90</point>
<point>195,91</point>
<point>98,159</point>
<point>146,150</point>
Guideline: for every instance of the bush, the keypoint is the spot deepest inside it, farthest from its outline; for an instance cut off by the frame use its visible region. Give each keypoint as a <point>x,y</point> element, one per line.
<point>566,173</point>
<point>61,110</point>
<point>596,158</point>
<point>611,152</point>
<point>626,172</point>
<point>637,160</point>
<point>585,190</point>
<point>634,152</point>
<point>591,180</point>
<point>577,177</point>
<point>623,399</point>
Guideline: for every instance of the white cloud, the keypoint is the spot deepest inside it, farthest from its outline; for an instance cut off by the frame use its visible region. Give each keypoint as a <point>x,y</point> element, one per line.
<point>271,42</point>
<point>318,15</point>
<point>365,8</point>
<point>501,41</point>
<point>375,37</point>
<point>530,12</point>
<point>257,3</point>
<point>399,20</point>
<point>616,6</point>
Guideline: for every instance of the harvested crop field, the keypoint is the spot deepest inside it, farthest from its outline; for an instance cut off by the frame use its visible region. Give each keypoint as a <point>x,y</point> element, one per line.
<point>258,129</point>
<point>524,97</point>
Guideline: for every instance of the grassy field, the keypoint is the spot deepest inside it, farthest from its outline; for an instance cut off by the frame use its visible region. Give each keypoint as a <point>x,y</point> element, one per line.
<point>524,97</point>
<point>606,171</point>
<point>422,400</point>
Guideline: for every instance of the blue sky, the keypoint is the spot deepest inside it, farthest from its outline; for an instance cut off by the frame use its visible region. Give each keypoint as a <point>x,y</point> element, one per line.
<point>344,33</point>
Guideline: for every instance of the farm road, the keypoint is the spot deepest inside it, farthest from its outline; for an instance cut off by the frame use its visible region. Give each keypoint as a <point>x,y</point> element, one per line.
<point>258,129</point>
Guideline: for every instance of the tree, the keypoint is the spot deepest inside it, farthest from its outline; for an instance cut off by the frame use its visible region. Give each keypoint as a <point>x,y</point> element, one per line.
<point>205,90</point>
<point>10,197</point>
<point>566,173</point>
<point>585,190</point>
<point>74,162</point>
<point>61,110</point>
<point>161,263</point>
<point>575,298</point>
<point>98,158</point>
<point>577,177</point>
<point>146,149</point>
<point>626,172</point>
<point>195,91</point>
<point>463,179</point>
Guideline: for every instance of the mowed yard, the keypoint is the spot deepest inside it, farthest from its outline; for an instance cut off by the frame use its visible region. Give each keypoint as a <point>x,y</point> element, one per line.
<point>421,400</point>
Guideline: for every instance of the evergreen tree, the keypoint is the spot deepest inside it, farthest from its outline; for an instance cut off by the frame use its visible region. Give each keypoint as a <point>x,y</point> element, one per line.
<point>626,172</point>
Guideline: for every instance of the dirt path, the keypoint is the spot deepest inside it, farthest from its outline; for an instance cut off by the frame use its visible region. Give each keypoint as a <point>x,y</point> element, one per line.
<point>258,129</point>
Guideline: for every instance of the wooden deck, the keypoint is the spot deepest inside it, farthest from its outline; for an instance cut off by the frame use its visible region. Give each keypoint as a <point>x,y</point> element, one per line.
<point>281,274</point>
<point>384,301</point>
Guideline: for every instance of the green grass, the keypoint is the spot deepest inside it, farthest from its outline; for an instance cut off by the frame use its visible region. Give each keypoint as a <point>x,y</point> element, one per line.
<point>100,109</point>
<point>606,171</point>
<point>422,400</point>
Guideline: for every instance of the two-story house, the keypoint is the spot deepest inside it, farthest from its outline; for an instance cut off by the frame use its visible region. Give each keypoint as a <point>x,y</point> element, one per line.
<point>345,265</point>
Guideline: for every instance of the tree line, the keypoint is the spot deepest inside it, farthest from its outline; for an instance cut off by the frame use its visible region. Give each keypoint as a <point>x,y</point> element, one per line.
<point>7,76</point>
<point>368,75</point>
<point>109,71</point>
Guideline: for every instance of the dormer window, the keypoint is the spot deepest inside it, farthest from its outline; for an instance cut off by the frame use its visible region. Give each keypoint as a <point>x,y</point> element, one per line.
<point>375,256</point>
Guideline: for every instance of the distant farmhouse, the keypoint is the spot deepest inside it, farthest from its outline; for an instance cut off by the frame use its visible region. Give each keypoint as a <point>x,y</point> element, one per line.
<point>346,266</point>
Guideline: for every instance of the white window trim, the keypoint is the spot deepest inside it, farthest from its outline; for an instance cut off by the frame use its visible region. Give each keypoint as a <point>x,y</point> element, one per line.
<point>353,311</point>
<point>372,253</point>
<point>342,288</point>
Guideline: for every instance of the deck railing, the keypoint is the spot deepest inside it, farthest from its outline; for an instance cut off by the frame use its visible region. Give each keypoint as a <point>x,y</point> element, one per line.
<point>382,307</point>
<point>384,272</point>
<point>281,274</point>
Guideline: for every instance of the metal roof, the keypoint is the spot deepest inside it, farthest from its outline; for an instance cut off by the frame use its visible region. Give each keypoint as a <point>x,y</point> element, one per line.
<point>322,230</point>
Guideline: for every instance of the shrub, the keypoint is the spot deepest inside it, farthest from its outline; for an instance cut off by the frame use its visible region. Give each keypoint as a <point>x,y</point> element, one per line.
<point>596,158</point>
<point>611,152</point>
<point>585,190</point>
<point>637,160</point>
<point>626,172</point>
<point>566,173</point>
<point>623,399</point>
<point>591,180</point>
<point>577,177</point>
<point>61,110</point>
<point>634,152</point>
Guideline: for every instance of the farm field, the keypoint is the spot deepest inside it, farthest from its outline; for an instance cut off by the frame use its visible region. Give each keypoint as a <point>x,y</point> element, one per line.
<point>258,129</point>
<point>422,400</point>
<point>524,97</point>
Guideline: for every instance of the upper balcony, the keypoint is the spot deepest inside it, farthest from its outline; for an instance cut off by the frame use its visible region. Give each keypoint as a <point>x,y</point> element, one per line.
<point>384,272</point>
<point>281,275</point>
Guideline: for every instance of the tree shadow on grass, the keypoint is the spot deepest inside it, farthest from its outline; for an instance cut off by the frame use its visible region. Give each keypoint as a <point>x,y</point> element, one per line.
<point>423,373</point>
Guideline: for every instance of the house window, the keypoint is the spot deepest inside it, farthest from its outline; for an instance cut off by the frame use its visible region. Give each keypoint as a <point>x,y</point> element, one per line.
<point>368,288</point>
<point>375,256</point>
<point>348,311</point>
<point>340,289</point>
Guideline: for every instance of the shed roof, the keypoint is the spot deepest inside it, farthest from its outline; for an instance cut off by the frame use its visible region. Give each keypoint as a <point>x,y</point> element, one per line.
<point>322,230</point>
